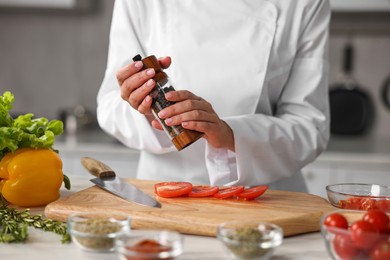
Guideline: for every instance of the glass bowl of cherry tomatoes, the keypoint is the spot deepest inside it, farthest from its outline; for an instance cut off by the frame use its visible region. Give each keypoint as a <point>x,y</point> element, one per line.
<point>358,235</point>
<point>359,196</point>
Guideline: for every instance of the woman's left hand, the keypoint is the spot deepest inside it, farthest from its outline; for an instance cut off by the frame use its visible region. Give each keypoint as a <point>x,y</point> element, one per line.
<point>195,113</point>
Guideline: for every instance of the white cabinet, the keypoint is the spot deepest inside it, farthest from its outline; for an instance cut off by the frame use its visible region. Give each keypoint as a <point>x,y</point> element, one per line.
<point>333,167</point>
<point>316,179</point>
<point>360,5</point>
<point>57,4</point>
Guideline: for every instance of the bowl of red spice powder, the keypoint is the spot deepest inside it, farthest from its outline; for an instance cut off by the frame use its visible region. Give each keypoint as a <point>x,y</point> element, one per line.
<point>149,244</point>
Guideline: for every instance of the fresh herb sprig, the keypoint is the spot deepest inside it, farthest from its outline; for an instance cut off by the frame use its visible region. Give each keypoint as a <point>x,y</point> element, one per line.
<point>14,225</point>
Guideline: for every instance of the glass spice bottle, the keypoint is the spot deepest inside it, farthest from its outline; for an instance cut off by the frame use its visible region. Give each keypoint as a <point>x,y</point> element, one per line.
<point>179,136</point>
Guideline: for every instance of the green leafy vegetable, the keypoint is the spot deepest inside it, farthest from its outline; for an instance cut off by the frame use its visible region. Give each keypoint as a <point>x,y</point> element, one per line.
<point>5,104</point>
<point>24,131</point>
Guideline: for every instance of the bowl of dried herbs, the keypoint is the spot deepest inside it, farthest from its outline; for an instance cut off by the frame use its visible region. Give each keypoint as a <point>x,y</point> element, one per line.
<point>250,239</point>
<point>93,232</point>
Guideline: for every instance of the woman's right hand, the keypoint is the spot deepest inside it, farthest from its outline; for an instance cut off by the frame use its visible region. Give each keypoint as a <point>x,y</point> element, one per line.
<point>136,85</point>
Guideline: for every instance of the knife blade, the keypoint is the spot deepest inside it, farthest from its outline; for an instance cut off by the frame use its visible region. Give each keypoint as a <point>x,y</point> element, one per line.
<point>107,180</point>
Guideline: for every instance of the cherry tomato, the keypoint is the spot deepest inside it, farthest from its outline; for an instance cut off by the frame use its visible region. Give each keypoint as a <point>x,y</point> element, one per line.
<point>336,220</point>
<point>252,193</point>
<point>379,219</point>
<point>203,191</point>
<point>381,251</point>
<point>364,234</point>
<point>228,192</point>
<point>172,189</point>
<point>344,247</point>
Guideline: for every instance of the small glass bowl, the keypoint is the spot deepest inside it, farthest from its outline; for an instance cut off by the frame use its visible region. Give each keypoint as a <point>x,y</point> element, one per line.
<point>149,245</point>
<point>92,232</point>
<point>338,240</point>
<point>359,196</point>
<point>250,239</point>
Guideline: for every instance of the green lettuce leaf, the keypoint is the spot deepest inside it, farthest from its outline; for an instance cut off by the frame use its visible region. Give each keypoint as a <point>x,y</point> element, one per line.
<point>25,131</point>
<point>6,101</point>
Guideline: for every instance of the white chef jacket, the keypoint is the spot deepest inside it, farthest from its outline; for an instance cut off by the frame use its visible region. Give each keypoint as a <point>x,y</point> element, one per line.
<point>261,64</point>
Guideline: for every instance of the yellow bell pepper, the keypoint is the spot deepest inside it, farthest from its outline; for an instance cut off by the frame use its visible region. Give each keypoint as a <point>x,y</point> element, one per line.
<point>31,177</point>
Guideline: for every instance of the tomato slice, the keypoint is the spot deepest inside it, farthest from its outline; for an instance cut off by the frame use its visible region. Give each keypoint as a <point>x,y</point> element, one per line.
<point>368,204</point>
<point>252,193</point>
<point>228,192</point>
<point>172,189</point>
<point>350,203</point>
<point>383,205</point>
<point>199,191</point>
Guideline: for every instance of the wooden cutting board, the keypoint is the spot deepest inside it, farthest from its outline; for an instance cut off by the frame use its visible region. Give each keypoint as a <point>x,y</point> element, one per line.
<point>295,212</point>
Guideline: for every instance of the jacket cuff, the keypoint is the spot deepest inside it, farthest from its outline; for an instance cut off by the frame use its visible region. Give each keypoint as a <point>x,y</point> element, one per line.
<point>221,166</point>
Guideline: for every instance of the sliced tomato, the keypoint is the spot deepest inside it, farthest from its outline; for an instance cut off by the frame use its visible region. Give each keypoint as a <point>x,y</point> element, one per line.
<point>383,205</point>
<point>367,204</point>
<point>350,203</point>
<point>172,189</point>
<point>199,191</point>
<point>252,193</point>
<point>228,192</point>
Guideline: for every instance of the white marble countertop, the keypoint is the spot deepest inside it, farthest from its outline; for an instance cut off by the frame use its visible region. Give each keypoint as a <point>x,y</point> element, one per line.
<point>45,245</point>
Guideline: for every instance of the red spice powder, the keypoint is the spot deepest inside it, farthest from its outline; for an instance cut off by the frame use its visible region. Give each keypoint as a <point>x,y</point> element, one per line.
<point>148,246</point>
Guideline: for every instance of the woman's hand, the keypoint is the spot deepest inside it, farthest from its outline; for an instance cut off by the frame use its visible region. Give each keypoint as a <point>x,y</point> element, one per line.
<point>195,113</point>
<point>136,85</point>
<point>190,111</point>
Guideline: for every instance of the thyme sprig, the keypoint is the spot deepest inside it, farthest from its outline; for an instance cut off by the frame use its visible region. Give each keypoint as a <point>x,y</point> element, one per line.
<point>14,225</point>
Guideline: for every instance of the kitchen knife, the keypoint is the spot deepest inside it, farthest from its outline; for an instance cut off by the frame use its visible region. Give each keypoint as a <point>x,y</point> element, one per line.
<point>107,180</point>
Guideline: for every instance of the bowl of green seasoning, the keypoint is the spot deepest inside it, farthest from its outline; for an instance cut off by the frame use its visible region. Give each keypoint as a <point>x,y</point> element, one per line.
<point>94,232</point>
<point>250,239</point>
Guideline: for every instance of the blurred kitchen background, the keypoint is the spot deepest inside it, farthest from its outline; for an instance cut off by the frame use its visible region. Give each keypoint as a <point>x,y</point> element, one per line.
<point>53,56</point>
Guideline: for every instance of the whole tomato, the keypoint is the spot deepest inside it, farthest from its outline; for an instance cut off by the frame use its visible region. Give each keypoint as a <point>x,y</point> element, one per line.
<point>336,220</point>
<point>363,234</point>
<point>344,247</point>
<point>381,251</point>
<point>379,219</point>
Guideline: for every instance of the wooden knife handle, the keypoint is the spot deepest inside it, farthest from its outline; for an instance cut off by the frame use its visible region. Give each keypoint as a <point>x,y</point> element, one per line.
<point>97,168</point>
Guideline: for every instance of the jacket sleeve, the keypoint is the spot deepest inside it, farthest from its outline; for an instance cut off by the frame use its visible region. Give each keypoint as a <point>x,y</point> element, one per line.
<point>115,116</point>
<point>272,147</point>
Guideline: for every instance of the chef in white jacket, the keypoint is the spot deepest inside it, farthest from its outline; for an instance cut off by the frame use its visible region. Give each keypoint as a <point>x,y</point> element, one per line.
<point>251,75</point>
